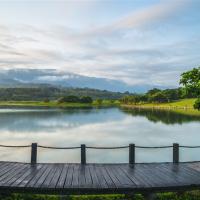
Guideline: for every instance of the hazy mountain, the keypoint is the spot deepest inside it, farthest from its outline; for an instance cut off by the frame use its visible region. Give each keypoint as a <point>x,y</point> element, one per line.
<point>24,77</point>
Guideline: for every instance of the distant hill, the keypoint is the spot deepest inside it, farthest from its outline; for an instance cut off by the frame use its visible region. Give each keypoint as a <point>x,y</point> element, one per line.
<point>31,77</point>
<point>43,92</point>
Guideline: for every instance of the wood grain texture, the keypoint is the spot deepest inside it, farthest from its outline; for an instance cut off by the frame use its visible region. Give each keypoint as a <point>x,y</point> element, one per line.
<point>98,178</point>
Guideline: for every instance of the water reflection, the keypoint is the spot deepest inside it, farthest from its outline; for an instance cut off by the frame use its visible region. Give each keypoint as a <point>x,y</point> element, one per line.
<point>164,116</point>
<point>96,127</point>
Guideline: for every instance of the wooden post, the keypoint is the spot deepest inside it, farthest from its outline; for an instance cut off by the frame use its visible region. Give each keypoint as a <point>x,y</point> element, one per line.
<point>34,153</point>
<point>175,153</point>
<point>131,153</point>
<point>83,154</point>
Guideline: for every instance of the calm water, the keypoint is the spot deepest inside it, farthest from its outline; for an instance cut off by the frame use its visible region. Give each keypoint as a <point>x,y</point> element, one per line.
<point>97,127</point>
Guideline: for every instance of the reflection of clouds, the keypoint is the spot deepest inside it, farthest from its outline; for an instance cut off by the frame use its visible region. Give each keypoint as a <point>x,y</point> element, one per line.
<point>103,131</point>
<point>53,120</point>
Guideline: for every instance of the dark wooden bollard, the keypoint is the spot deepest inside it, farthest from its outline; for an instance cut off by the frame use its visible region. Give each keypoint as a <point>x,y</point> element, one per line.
<point>83,154</point>
<point>131,153</point>
<point>34,153</point>
<point>175,153</point>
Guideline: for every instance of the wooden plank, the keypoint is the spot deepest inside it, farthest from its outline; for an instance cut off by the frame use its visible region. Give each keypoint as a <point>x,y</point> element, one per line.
<point>123,179</point>
<point>94,177</point>
<point>18,167</point>
<point>106,176</point>
<point>28,175</point>
<point>130,174</point>
<point>178,173</point>
<point>17,177</point>
<point>167,175</point>
<point>100,176</point>
<point>6,167</point>
<point>82,179</point>
<point>75,179</point>
<point>63,176</point>
<point>156,175</point>
<point>136,176</point>
<point>69,178</point>
<point>43,177</point>
<point>37,176</point>
<point>49,177</point>
<point>56,176</point>
<point>112,175</point>
<point>88,178</point>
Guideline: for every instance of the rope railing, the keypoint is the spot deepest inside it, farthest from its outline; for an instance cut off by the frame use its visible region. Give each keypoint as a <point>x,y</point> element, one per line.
<point>15,146</point>
<point>83,147</point>
<point>153,147</point>
<point>95,147</point>
<point>53,147</point>
<point>191,147</point>
<point>119,147</point>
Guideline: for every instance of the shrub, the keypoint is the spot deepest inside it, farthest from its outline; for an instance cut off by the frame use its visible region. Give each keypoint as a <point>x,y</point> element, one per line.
<point>69,99</point>
<point>86,99</point>
<point>99,101</point>
<point>197,104</point>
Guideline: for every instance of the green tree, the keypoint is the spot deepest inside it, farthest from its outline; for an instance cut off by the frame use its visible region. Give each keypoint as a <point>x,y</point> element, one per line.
<point>86,99</point>
<point>197,104</point>
<point>191,81</point>
<point>171,94</point>
<point>99,101</point>
<point>69,99</point>
<point>159,97</point>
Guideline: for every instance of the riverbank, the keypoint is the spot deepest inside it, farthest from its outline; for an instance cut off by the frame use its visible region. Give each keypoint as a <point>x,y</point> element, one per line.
<point>55,104</point>
<point>184,106</point>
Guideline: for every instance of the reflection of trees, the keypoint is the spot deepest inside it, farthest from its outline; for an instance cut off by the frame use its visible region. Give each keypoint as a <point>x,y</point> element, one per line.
<point>164,116</point>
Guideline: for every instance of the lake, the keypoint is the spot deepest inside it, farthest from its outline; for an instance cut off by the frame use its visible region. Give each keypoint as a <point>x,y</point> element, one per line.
<point>97,127</point>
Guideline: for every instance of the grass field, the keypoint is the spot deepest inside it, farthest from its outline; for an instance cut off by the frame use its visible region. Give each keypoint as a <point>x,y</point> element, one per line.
<point>194,195</point>
<point>184,106</point>
<point>55,104</point>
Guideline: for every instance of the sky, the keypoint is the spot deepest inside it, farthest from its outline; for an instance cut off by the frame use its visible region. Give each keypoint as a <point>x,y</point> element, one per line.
<point>134,41</point>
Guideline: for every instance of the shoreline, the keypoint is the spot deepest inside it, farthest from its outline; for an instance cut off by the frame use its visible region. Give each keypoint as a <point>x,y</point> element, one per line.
<point>185,110</point>
<point>51,105</point>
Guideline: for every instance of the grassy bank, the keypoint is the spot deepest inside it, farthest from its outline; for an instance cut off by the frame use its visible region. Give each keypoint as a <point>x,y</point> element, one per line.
<point>194,195</point>
<point>55,104</point>
<point>184,106</point>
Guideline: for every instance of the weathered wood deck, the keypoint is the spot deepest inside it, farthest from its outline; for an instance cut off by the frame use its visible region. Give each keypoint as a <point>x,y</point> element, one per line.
<point>98,178</point>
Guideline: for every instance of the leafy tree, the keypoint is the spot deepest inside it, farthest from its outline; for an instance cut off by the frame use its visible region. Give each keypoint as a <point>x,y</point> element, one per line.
<point>69,99</point>
<point>99,101</point>
<point>153,91</point>
<point>197,104</point>
<point>86,99</point>
<point>191,81</point>
<point>159,97</point>
<point>171,94</point>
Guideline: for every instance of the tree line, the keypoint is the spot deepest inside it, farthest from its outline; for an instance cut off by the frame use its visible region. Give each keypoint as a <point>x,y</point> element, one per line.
<point>75,99</point>
<point>190,81</point>
<point>44,93</point>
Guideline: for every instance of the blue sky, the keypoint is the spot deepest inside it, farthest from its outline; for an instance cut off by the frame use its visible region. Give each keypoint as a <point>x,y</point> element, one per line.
<point>135,41</point>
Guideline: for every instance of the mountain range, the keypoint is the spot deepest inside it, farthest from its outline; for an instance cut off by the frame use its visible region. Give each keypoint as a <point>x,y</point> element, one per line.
<point>31,77</point>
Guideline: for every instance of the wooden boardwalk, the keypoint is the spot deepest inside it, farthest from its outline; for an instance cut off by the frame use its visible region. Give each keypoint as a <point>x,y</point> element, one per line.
<point>98,178</point>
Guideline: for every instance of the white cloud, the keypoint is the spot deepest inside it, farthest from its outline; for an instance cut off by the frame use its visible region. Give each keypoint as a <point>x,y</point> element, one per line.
<point>121,50</point>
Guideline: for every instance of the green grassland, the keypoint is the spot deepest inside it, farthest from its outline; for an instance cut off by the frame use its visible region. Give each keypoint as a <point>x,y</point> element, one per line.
<point>194,195</point>
<point>55,104</point>
<point>184,106</point>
